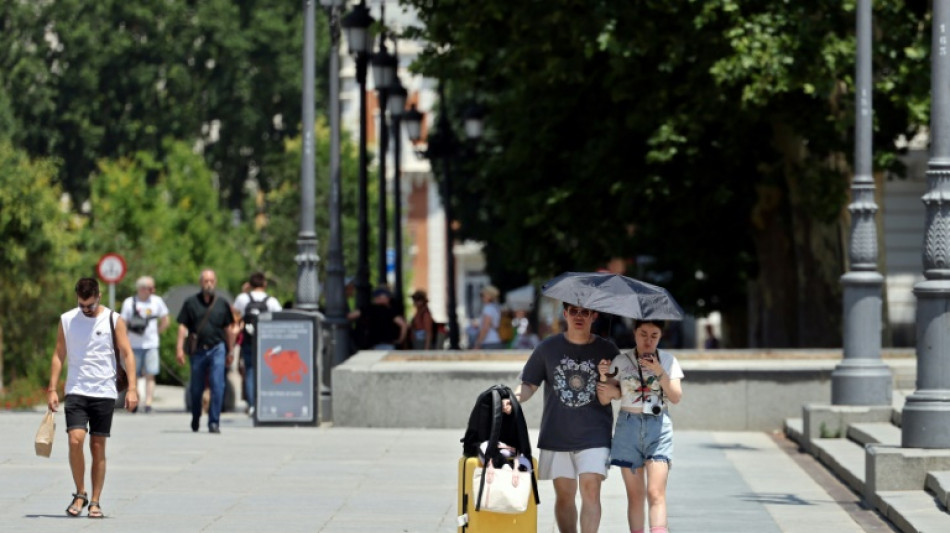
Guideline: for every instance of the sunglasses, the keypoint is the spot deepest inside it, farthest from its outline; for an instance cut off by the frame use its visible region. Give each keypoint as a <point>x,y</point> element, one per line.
<point>579,311</point>
<point>90,307</point>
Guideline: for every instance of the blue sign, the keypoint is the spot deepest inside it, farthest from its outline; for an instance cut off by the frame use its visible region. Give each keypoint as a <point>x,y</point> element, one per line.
<point>390,261</point>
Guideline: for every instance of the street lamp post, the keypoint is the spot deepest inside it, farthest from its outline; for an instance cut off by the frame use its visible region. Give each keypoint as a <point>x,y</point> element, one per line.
<point>444,146</point>
<point>384,71</point>
<point>336,290</point>
<point>861,378</point>
<point>397,104</point>
<point>925,419</point>
<point>308,289</point>
<point>356,25</point>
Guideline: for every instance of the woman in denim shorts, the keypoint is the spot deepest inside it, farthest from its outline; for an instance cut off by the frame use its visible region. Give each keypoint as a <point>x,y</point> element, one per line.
<point>646,382</point>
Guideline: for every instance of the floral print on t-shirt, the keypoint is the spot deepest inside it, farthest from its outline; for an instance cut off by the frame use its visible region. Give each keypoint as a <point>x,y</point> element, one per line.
<point>575,383</point>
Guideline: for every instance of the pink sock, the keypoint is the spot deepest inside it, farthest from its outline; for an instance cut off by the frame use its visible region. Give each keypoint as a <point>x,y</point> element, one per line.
<point>659,529</point>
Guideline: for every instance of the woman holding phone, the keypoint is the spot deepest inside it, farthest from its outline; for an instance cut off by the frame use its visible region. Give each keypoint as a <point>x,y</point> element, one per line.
<point>646,382</point>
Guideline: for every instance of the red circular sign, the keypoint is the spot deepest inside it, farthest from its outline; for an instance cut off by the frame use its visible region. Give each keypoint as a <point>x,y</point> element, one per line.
<point>111,268</point>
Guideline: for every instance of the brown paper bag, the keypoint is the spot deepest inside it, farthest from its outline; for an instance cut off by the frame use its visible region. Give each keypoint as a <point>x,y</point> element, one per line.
<point>44,435</point>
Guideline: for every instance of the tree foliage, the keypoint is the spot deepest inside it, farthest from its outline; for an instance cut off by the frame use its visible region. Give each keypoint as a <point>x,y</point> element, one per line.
<point>271,233</point>
<point>37,250</point>
<point>110,78</point>
<point>169,229</point>
<point>709,139</point>
<point>165,119</point>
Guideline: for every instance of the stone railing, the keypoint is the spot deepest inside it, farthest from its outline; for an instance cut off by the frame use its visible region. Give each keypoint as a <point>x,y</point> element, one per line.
<point>732,390</point>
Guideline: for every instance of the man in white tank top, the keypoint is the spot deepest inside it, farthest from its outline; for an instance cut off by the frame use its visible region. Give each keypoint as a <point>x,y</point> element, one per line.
<point>86,339</point>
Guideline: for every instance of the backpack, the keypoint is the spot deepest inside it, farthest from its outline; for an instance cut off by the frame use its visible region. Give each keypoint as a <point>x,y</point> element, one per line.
<point>251,312</point>
<point>488,423</point>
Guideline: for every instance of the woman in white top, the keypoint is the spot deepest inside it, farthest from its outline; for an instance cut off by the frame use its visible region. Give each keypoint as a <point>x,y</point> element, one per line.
<point>646,382</point>
<point>488,338</point>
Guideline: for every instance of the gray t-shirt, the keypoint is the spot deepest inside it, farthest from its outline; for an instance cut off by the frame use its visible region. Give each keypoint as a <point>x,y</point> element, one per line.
<point>573,418</point>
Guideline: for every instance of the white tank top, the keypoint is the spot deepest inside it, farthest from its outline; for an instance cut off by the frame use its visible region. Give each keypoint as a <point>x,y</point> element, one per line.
<point>89,354</point>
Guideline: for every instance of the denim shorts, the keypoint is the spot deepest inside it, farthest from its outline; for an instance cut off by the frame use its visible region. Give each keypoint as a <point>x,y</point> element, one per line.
<point>146,361</point>
<point>641,437</point>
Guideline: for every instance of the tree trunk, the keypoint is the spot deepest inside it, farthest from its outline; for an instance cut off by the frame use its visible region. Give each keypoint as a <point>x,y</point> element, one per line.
<point>796,299</point>
<point>773,295</point>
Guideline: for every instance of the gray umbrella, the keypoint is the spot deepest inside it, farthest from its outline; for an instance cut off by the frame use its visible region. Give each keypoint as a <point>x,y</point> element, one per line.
<point>613,293</point>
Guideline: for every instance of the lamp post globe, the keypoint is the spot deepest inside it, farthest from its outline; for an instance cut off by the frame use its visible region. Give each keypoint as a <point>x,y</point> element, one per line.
<point>384,67</point>
<point>412,118</point>
<point>474,118</point>
<point>397,95</point>
<point>356,25</point>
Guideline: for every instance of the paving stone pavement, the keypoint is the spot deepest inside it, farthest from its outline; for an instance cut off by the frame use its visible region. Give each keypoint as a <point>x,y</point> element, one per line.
<point>162,477</point>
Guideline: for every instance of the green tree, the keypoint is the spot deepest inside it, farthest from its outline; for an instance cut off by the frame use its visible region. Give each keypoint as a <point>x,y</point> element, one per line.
<point>271,233</point>
<point>170,228</point>
<point>712,136</point>
<point>107,79</point>
<point>38,259</point>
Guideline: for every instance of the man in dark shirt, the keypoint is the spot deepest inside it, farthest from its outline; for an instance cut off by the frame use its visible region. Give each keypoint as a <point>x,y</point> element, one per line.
<point>574,442</point>
<point>379,326</point>
<point>205,327</point>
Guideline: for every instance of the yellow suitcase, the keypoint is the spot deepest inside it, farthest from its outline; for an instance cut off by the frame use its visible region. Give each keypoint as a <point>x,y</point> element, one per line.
<point>472,521</point>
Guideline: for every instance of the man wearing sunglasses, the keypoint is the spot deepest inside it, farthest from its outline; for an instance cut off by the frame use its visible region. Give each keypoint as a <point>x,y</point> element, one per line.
<point>574,443</point>
<point>86,338</point>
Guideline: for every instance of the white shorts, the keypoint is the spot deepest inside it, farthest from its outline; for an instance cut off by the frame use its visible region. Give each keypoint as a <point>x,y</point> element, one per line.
<point>553,464</point>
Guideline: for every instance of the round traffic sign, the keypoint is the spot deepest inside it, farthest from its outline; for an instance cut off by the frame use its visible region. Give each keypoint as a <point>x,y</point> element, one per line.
<point>111,268</point>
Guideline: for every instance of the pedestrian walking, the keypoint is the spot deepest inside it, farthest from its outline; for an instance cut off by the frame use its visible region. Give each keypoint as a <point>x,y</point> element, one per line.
<point>205,331</point>
<point>378,325</point>
<point>248,305</point>
<point>421,328</point>
<point>146,318</point>
<point>488,337</point>
<point>87,340</point>
<point>574,442</point>
<point>646,383</point>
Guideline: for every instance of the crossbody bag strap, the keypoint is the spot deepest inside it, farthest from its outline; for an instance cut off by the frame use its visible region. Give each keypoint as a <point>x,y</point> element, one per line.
<point>115,347</point>
<point>204,319</point>
<point>640,372</point>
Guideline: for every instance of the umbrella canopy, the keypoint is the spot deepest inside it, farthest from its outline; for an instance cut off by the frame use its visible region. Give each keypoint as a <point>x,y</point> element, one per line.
<point>613,293</point>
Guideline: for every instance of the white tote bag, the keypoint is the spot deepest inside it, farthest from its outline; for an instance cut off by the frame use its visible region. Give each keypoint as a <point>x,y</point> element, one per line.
<point>506,490</point>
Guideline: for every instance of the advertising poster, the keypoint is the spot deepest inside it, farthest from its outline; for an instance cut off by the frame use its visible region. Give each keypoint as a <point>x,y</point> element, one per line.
<point>285,369</point>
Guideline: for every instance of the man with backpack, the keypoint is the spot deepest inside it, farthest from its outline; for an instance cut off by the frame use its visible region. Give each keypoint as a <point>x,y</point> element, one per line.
<point>249,305</point>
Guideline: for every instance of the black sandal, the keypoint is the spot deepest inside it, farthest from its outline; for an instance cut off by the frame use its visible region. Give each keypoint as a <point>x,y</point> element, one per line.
<point>98,512</point>
<point>72,510</point>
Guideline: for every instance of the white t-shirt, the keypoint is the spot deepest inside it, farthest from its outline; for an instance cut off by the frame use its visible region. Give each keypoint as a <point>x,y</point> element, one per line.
<point>153,309</point>
<point>245,298</point>
<point>90,356</point>
<point>642,397</point>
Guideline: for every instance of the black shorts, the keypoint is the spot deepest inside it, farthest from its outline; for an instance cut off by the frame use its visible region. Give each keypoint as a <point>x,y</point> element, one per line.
<point>94,415</point>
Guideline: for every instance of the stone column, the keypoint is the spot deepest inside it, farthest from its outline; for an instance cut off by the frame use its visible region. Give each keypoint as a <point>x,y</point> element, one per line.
<point>926,416</point>
<point>861,378</point>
